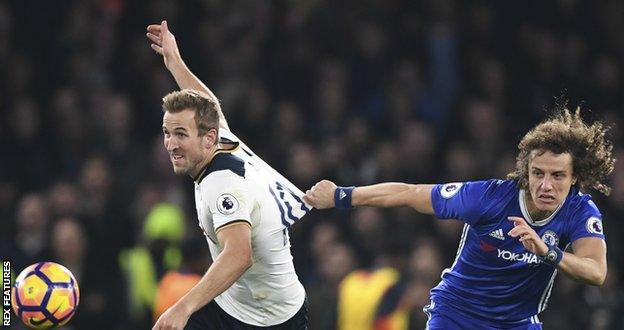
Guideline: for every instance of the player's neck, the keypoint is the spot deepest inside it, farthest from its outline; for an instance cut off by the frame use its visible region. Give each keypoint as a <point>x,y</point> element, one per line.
<point>201,167</point>
<point>535,213</point>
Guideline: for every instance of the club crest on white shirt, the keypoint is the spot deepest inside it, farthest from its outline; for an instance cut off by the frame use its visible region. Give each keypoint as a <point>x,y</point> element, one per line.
<point>594,225</point>
<point>227,204</point>
<point>450,189</point>
<point>550,238</point>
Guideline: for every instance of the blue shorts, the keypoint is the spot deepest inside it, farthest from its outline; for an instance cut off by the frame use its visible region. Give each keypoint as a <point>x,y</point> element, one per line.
<point>446,318</point>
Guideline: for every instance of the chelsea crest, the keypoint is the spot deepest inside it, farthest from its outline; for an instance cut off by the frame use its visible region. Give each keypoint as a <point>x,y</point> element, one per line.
<point>550,238</point>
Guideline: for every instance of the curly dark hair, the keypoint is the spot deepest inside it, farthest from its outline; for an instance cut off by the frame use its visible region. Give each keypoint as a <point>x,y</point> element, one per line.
<point>566,132</point>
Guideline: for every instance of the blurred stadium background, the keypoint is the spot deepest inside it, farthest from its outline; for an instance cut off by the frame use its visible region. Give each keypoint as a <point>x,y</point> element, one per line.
<point>355,91</point>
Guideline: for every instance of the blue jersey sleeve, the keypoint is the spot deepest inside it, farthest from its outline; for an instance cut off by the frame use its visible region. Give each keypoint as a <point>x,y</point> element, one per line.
<point>467,201</point>
<point>588,223</point>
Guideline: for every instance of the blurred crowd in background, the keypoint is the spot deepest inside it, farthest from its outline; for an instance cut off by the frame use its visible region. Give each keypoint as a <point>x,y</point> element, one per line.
<point>354,91</point>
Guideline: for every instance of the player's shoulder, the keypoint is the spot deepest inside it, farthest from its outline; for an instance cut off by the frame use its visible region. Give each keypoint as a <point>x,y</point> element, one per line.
<point>496,191</point>
<point>493,187</point>
<point>501,185</point>
<point>477,189</point>
<point>223,166</point>
<point>226,136</point>
<point>582,204</point>
<point>483,192</point>
<point>582,215</point>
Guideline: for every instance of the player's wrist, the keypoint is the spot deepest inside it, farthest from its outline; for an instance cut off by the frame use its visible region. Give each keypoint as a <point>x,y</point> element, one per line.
<point>185,308</point>
<point>175,64</point>
<point>343,197</point>
<point>542,249</point>
<point>553,256</point>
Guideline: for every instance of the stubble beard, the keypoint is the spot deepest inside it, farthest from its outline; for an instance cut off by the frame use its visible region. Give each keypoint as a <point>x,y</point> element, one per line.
<point>180,170</point>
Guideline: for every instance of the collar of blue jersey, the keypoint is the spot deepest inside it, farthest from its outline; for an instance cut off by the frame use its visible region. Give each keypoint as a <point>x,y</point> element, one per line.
<point>527,216</point>
<point>205,171</point>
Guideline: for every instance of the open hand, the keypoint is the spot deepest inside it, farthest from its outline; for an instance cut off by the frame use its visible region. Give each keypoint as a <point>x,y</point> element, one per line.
<point>164,43</point>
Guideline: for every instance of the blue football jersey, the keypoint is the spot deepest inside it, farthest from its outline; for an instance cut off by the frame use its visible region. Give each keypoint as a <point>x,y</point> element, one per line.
<point>493,276</point>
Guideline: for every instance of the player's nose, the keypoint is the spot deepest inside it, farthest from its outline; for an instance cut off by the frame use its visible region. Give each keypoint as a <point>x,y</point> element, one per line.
<point>170,144</point>
<point>547,183</point>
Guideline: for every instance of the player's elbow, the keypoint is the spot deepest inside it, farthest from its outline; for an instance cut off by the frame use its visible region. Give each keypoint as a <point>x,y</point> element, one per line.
<point>240,257</point>
<point>597,278</point>
<point>600,278</point>
<point>601,275</point>
<point>245,259</point>
<point>595,281</point>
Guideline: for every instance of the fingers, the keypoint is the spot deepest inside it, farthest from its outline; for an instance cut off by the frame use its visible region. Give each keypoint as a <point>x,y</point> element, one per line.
<point>306,198</point>
<point>310,197</point>
<point>327,183</point>
<point>157,48</point>
<point>154,38</point>
<point>154,28</point>
<point>517,221</point>
<point>526,234</point>
<point>157,28</point>
<point>518,231</point>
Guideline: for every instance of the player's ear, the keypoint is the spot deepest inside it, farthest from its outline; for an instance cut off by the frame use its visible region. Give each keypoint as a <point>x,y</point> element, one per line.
<point>210,138</point>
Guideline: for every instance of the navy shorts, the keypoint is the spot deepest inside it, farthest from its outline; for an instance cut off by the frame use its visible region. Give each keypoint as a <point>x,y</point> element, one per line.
<point>212,317</point>
<point>446,318</point>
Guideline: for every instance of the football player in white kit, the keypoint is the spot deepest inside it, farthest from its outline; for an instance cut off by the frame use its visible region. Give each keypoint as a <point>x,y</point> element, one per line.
<point>244,208</point>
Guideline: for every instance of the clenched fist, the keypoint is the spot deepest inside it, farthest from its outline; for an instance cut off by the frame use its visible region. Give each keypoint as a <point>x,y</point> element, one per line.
<point>321,195</point>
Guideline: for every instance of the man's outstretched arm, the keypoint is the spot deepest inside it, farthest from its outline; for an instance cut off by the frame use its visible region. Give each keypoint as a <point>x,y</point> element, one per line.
<point>389,194</point>
<point>164,43</point>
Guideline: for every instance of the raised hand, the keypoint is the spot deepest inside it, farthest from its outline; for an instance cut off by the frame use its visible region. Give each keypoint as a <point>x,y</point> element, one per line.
<point>528,237</point>
<point>321,196</point>
<point>164,43</point>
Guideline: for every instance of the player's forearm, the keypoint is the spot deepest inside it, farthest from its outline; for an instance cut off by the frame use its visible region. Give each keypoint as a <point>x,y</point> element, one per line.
<point>393,194</point>
<point>224,271</point>
<point>186,79</point>
<point>586,270</point>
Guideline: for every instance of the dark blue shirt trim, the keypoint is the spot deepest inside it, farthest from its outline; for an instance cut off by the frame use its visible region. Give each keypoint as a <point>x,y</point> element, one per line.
<point>224,161</point>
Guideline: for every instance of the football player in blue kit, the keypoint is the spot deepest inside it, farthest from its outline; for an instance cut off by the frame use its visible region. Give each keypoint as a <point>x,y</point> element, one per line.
<point>517,231</point>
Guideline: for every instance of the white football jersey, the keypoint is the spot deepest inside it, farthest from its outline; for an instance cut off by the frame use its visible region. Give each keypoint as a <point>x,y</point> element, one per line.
<point>238,186</point>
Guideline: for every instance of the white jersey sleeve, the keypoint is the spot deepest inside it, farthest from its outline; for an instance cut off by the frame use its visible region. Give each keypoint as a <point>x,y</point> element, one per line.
<point>230,199</point>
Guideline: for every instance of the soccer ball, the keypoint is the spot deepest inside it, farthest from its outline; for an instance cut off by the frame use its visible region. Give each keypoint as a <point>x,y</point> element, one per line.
<point>45,295</point>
